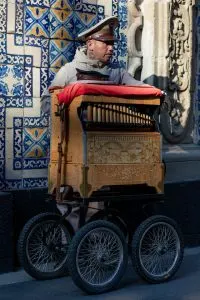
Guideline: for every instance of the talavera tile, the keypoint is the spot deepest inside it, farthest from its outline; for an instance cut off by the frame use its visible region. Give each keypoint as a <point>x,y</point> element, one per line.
<point>11,10</point>
<point>62,4</point>
<point>3,15</point>
<point>11,80</point>
<point>12,47</point>
<point>35,142</point>
<point>34,110</point>
<point>35,53</point>
<point>14,117</point>
<point>107,4</point>
<point>61,52</point>
<point>40,3</point>
<point>36,82</point>
<point>37,21</point>
<point>82,21</point>
<point>12,170</point>
<point>61,24</point>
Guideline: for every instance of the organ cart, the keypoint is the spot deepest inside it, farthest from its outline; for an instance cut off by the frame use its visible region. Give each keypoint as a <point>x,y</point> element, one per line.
<point>106,175</point>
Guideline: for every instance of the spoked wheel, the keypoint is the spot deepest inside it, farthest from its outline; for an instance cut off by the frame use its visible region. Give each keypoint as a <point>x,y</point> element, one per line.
<point>98,257</point>
<point>157,249</point>
<point>43,246</point>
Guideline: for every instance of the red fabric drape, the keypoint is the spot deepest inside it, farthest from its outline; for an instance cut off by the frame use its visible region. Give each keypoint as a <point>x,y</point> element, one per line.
<point>76,89</point>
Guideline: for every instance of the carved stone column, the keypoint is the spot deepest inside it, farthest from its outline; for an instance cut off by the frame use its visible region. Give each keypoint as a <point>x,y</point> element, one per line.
<point>166,58</point>
<point>134,35</point>
<point>177,125</point>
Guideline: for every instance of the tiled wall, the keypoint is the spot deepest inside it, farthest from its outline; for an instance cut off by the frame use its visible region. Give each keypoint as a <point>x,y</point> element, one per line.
<point>37,37</point>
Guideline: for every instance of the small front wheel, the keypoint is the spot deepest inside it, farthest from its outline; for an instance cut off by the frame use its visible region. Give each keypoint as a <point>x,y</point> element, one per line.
<point>43,246</point>
<point>98,257</point>
<point>157,249</point>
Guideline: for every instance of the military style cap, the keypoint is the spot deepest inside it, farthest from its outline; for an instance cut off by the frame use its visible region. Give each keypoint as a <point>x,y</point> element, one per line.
<point>102,31</point>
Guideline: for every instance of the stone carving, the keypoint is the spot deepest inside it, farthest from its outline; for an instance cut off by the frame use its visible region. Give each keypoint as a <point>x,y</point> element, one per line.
<point>176,124</point>
<point>135,22</point>
<point>104,149</point>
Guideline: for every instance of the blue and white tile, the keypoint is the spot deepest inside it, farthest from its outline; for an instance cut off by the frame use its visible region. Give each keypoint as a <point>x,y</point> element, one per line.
<point>36,142</point>
<point>39,3</point>
<point>2,112</point>
<point>11,21</point>
<point>2,143</point>
<point>10,172</point>
<point>11,80</point>
<point>12,48</point>
<point>37,21</point>
<point>3,16</point>
<point>34,110</point>
<point>19,18</point>
<point>44,80</point>
<point>82,21</point>
<point>107,5</point>
<point>61,24</point>
<point>35,53</point>
<point>62,4</point>
<point>36,82</point>
<point>61,52</point>
<point>39,182</point>
<point>12,116</point>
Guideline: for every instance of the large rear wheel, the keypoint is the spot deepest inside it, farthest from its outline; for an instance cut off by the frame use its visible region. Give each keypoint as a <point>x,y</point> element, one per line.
<point>43,246</point>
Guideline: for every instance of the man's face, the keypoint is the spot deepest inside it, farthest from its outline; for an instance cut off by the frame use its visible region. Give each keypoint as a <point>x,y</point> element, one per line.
<point>101,51</point>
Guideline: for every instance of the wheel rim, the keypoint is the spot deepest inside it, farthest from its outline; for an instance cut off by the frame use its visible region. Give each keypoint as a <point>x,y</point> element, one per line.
<point>159,249</point>
<point>47,246</point>
<point>99,256</point>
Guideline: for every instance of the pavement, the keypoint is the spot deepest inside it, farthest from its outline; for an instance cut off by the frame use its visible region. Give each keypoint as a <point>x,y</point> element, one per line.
<point>21,276</point>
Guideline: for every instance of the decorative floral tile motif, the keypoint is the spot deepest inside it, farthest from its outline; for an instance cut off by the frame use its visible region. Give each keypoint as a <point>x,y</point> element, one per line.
<point>37,21</point>
<point>11,80</point>
<point>61,52</point>
<point>61,24</point>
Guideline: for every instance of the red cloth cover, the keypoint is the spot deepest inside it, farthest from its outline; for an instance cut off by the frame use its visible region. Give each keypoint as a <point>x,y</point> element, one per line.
<point>76,89</point>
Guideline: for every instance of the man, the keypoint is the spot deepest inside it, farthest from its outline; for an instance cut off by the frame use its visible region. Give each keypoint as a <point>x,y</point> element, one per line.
<point>91,61</point>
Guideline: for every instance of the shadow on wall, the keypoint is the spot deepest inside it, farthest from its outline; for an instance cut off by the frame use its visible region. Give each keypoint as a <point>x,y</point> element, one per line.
<point>176,121</point>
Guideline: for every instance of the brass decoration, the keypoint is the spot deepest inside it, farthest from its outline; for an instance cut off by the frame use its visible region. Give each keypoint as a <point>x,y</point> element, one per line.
<point>123,149</point>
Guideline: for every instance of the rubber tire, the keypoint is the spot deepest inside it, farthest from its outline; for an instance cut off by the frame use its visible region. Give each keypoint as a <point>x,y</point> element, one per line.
<point>89,289</point>
<point>136,244</point>
<point>21,247</point>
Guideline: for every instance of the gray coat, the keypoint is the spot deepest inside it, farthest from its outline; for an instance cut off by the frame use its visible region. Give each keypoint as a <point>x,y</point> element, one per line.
<point>67,74</point>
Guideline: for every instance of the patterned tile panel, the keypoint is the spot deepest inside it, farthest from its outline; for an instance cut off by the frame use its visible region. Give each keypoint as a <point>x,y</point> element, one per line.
<point>61,52</point>
<point>61,24</point>
<point>37,37</point>
<point>37,21</point>
<point>62,4</point>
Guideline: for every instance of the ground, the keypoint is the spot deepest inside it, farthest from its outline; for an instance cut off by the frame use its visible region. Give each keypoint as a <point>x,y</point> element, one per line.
<point>184,286</point>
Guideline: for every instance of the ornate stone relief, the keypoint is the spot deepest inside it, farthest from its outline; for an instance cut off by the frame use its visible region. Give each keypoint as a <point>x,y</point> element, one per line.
<point>164,52</point>
<point>134,33</point>
<point>177,124</point>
